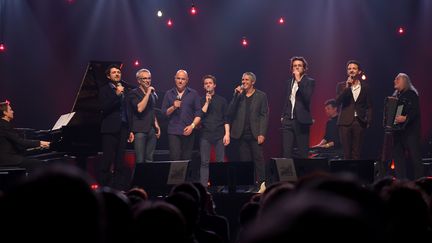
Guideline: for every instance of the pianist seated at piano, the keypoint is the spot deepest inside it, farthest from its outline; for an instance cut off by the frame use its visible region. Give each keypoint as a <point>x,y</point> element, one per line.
<point>13,146</point>
<point>329,146</point>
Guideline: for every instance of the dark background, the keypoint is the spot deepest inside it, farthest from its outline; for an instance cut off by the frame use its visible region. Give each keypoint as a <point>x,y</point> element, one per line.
<point>50,42</point>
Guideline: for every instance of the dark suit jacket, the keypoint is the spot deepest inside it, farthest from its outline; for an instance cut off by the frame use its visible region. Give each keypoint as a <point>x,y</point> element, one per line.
<point>303,98</point>
<point>363,105</point>
<point>110,105</point>
<point>259,114</point>
<point>12,146</point>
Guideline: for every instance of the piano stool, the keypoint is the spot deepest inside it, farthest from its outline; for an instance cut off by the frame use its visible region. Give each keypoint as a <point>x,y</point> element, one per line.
<point>10,175</point>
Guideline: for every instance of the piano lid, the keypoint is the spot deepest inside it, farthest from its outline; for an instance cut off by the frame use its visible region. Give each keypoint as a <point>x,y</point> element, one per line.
<point>86,105</point>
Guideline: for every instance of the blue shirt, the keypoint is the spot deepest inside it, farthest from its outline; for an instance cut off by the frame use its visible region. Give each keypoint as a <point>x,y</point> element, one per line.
<point>183,116</point>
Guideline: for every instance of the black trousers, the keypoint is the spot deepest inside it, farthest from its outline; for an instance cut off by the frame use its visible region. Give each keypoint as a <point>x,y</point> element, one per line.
<point>407,155</point>
<point>181,146</point>
<point>351,138</point>
<point>113,170</point>
<point>295,133</point>
<point>250,150</point>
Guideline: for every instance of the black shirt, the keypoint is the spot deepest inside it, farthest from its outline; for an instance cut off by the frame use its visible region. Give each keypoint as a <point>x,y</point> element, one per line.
<point>331,132</point>
<point>214,120</point>
<point>141,121</point>
<point>247,132</point>
<point>12,145</point>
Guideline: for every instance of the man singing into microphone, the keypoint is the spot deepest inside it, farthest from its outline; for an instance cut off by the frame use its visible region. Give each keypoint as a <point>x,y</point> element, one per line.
<point>250,114</point>
<point>182,106</point>
<point>115,132</point>
<point>296,116</point>
<point>143,122</point>
<point>215,127</point>
<point>355,110</point>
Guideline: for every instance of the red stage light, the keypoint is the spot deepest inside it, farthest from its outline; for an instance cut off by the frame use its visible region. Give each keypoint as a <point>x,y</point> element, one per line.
<point>136,63</point>
<point>2,47</point>
<point>281,20</point>
<point>193,10</point>
<point>244,42</point>
<point>169,23</point>
<point>94,186</point>
<point>401,31</point>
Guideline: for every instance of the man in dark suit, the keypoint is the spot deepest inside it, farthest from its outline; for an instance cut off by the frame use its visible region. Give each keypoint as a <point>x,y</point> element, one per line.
<point>296,117</point>
<point>115,132</point>
<point>407,140</point>
<point>250,113</point>
<point>355,110</point>
<point>12,146</point>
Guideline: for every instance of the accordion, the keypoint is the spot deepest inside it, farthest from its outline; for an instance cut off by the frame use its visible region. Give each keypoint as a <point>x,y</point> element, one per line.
<point>393,107</point>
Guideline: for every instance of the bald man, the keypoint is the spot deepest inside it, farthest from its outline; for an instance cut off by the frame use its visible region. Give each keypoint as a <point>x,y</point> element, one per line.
<point>182,106</point>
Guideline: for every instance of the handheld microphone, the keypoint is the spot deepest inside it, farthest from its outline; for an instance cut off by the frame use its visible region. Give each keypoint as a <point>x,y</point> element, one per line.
<point>119,85</point>
<point>236,92</point>
<point>154,94</point>
<point>178,97</point>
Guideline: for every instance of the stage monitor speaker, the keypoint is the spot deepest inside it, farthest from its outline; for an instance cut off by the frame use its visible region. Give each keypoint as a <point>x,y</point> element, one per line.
<point>427,165</point>
<point>363,169</point>
<point>158,177</point>
<point>283,169</point>
<point>9,176</point>
<point>233,173</point>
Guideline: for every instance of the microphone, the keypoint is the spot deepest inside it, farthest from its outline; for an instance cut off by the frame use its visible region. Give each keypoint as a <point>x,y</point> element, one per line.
<point>119,85</point>
<point>154,94</point>
<point>236,92</point>
<point>178,97</point>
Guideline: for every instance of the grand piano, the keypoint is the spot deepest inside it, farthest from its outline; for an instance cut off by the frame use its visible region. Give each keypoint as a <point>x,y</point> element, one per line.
<point>80,137</point>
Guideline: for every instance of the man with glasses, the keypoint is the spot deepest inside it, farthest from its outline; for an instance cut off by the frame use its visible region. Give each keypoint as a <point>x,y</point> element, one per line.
<point>143,122</point>
<point>296,116</point>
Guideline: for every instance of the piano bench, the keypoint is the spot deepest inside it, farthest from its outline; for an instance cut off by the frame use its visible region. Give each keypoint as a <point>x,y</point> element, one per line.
<point>10,176</point>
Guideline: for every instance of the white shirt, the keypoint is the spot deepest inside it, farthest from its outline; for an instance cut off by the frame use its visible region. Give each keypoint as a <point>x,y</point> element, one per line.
<point>292,97</point>
<point>355,89</point>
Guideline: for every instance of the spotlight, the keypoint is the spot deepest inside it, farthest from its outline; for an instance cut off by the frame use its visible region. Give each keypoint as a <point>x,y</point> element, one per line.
<point>281,20</point>
<point>193,10</point>
<point>136,63</point>
<point>244,42</point>
<point>169,23</point>
<point>401,31</point>
<point>2,47</point>
<point>94,186</point>
<point>159,13</point>
<point>363,77</point>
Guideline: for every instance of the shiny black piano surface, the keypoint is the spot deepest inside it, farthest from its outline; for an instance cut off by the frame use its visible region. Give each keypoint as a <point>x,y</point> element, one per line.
<point>81,136</point>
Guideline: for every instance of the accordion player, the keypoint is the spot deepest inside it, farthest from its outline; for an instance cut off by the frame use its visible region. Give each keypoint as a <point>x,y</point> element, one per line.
<point>394,107</point>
